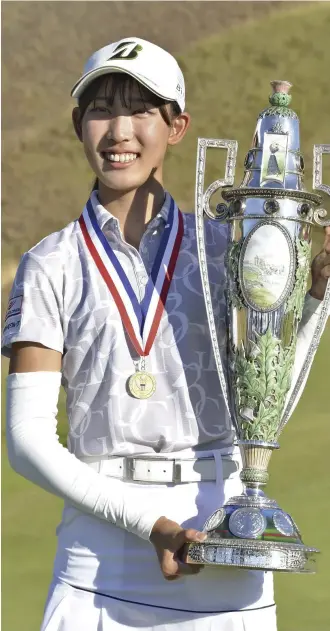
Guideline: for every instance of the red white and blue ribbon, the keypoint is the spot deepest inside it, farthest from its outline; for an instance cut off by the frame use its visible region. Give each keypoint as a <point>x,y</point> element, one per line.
<point>141,320</point>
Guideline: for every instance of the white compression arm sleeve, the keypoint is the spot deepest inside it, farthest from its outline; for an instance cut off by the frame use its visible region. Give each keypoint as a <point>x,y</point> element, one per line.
<point>306,331</point>
<point>35,453</point>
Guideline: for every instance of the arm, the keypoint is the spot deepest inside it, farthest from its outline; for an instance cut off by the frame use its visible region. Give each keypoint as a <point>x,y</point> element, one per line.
<point>35,453</point>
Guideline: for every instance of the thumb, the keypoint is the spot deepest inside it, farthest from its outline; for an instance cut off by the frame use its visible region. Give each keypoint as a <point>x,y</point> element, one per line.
<point>191,535</point>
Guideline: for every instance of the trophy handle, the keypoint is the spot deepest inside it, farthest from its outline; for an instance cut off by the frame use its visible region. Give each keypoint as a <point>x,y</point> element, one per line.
<point>202,205</point>
<point>228,180</point>
<point>319,150</point>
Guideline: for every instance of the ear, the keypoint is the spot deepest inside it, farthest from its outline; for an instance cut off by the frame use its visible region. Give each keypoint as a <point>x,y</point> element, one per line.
<point>179,127</point>
<point>76,120</point>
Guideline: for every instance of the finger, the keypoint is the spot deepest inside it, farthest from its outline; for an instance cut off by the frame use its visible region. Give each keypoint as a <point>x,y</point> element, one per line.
<point>169,565</point>
<point>172,566</point>
<point>176,568</point>
<point>321,259</point>
<point>171,577</point>
<point>326,259</point>
<point>326,245</point>
<point>187,569</point>
<point>325,272</point>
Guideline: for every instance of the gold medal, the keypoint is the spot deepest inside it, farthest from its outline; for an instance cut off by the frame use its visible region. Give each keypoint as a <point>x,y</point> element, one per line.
<point>142,384</point>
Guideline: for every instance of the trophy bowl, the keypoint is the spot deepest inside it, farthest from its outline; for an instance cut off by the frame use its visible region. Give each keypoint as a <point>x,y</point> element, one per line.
<point>270,218</point>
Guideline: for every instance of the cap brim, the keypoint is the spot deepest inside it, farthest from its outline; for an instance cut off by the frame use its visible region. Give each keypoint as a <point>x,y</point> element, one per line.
<point>87,79</point>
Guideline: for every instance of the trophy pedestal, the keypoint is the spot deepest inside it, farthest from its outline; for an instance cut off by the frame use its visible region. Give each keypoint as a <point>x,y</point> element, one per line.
<point>252,532</point>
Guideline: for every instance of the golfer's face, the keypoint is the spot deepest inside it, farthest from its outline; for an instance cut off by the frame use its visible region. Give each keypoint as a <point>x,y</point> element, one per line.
<point>124,142</point>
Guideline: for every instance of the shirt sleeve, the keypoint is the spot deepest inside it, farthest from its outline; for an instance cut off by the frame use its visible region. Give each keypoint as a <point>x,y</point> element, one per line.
<point>34,312</point>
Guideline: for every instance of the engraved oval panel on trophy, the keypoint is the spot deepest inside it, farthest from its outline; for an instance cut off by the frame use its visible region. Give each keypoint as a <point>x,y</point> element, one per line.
<point>283,523</point>
<point>215,520</point>
<point>267,266</point>
<point>247,523</point>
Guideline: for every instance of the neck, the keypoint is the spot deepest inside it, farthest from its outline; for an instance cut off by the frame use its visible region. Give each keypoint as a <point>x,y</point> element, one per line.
<point>133,209</point>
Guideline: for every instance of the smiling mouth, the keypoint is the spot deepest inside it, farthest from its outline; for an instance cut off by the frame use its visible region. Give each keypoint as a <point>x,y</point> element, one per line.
<point>122,158</point>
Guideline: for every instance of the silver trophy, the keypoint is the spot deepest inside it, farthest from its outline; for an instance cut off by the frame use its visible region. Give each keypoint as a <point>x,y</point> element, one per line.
<point>270,217</point>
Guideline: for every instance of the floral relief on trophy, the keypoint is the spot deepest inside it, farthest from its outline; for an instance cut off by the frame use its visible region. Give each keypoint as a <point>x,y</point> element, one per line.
<point>234,294</point>
<point>266,266</point>
<point>262,376</point>
<point>296,300</point>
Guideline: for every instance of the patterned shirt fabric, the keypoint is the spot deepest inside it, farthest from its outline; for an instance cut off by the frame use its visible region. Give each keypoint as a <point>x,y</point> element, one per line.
<point>60,300</point>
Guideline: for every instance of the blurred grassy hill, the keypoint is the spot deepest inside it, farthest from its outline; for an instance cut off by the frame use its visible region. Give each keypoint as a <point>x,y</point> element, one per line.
<point>46,181</point>
<point>45,175</point>
<point>46,43</point>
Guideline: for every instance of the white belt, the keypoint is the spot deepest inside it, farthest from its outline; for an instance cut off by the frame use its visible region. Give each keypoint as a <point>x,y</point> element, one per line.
<point>164,470</point>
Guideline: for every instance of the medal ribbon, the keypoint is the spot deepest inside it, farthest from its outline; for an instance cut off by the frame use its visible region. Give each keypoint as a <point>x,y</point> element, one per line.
<point>141,320</point>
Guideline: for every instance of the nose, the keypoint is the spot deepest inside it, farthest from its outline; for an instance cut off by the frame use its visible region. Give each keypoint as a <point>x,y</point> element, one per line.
<point>120,129</point>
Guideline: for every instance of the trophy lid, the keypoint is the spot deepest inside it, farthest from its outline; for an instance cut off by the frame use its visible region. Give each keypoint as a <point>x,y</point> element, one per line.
<point>274,160</point>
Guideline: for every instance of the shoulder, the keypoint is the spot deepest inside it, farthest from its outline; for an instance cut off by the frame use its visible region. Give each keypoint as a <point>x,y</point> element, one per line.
<point>54,249</point>
<point>47,263</point>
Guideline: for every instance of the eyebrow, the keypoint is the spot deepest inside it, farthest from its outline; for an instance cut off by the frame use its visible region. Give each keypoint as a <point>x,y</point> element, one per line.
<point>135,99</point>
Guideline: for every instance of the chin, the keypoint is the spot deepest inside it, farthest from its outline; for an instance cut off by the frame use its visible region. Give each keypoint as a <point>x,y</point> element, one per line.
<point>123,184</point>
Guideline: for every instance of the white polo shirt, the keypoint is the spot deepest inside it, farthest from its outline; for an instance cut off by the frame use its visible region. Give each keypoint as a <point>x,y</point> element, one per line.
<point>60,300</point>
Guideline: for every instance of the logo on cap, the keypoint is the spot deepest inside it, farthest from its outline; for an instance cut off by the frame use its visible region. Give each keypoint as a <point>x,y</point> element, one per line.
<point>126,50</point>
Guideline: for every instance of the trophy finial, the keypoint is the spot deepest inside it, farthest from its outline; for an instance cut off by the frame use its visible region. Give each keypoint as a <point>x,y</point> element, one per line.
<point>280,94</point>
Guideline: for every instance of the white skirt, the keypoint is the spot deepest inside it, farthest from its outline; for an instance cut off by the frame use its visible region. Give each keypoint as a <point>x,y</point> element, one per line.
<point>70,609</point>
<point>95,556</point>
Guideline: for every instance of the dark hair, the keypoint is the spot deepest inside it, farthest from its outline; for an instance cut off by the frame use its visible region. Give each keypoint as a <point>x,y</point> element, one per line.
<point>125,84</point>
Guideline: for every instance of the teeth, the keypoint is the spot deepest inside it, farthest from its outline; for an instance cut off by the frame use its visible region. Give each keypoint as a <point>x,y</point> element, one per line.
<point>120,157</point>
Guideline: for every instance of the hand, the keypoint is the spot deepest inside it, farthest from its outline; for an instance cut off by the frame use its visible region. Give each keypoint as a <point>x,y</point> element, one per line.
<point>321,269</point>
<point>168,538</point>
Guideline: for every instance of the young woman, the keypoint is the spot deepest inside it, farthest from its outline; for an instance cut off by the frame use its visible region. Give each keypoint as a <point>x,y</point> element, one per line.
<point>150,449</point>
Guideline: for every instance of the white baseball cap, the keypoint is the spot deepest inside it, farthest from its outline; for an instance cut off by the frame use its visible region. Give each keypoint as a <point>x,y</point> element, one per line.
<point>149,64</point>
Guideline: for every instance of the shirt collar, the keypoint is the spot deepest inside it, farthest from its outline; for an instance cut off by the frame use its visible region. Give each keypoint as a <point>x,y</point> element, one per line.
<point>105,218</point>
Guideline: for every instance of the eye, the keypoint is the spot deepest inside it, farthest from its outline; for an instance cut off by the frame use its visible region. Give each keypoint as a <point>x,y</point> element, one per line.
<point>141,110</point>
<point>96,109</point>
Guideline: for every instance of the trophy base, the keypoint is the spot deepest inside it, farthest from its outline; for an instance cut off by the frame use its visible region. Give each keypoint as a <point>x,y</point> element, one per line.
<point>252,532</point>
